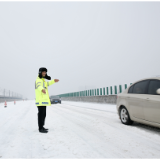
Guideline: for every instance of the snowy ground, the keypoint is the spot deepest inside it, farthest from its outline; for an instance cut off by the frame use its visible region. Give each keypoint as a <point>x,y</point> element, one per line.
<point>76,130</point>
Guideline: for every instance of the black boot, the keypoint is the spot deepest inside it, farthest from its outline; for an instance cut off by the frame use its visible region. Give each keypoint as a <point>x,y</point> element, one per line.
<point>43,130</point>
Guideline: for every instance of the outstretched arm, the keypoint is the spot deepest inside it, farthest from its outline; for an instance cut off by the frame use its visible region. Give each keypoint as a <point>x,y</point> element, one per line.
<point>53,81</point>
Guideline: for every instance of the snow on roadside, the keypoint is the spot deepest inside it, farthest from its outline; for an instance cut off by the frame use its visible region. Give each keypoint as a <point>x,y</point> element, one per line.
<point>76,130</point>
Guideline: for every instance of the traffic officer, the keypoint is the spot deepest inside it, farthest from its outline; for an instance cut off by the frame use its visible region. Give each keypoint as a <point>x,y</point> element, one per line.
<point>42,96</point>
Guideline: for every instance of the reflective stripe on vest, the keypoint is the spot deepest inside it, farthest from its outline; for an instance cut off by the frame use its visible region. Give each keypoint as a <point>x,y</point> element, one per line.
<point>44,102</point>
<point>36,85</point>
<point>39,85</point>
<point>38,82</point>
<point>44,85</point>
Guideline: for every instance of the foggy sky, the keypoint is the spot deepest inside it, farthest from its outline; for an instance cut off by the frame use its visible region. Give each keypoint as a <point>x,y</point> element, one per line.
<point>83,44</point>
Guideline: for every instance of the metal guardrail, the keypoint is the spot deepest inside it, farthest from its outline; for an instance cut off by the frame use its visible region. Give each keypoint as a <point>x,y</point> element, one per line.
<point>112,90</point>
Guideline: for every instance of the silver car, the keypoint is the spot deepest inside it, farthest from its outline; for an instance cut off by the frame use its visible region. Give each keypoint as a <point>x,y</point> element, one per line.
<point>140,102</point>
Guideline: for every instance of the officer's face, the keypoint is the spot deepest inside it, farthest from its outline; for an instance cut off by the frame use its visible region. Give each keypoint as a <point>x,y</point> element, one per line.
<point>43,73</point>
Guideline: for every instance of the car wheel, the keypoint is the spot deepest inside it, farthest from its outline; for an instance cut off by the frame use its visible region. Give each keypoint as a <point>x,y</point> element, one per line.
<point>125,118</point>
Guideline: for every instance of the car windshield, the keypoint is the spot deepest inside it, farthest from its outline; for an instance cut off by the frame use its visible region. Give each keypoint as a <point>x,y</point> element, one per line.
<point>53,97</point>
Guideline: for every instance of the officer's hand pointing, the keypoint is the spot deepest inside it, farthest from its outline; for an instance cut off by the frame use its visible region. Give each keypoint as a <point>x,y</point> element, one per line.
<point>56,80</point>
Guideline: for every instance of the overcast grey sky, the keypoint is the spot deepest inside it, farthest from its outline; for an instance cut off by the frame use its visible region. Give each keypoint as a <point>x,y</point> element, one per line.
<point>92,44</point>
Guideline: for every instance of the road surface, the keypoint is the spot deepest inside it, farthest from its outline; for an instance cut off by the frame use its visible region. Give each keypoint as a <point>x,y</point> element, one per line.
<point>76,130</point>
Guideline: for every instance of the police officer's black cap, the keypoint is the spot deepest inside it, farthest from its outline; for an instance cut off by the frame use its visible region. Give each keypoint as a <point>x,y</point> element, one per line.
<point>42,69</point>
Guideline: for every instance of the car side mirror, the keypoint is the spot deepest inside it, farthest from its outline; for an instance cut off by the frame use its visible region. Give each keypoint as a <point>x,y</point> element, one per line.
<point>158,91</point>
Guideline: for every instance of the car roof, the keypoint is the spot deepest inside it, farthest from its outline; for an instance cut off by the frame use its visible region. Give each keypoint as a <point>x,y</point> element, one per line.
<point>126,90</point>
<point>158,78</point>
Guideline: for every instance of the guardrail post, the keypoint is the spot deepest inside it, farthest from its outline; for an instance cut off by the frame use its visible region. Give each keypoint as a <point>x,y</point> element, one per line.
<point>107,91</point>
<point>115,89</point>
<point>125,86</point>
<point>97,91</point>
<point>104,91</point>
<point>101,91</point>
<point>111,90</point>
<point>120,88</point>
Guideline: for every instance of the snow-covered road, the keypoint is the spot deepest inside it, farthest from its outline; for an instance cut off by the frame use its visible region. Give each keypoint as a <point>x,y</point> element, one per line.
<point>76,130</point>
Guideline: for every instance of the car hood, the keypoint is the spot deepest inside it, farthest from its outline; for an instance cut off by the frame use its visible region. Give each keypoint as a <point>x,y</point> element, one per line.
<point>55,99</point>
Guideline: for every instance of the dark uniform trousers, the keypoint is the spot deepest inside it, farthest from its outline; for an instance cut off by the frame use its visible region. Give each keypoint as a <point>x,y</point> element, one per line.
<point>41,116</point>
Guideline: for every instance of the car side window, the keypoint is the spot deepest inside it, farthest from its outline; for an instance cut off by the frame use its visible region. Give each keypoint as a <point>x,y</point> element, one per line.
<point>140,87</point>
<point>131,89</point>
<point>153,86</point>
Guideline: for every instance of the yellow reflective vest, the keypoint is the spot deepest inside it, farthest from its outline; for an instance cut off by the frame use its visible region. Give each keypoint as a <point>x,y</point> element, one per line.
<point>41,98</point>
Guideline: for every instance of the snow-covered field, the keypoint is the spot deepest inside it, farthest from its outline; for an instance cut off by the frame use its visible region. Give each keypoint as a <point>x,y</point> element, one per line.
<point>76,130</point>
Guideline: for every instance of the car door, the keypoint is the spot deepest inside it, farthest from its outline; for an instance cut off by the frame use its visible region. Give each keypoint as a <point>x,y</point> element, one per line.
<point>136,97</point>
<point>152,103</point>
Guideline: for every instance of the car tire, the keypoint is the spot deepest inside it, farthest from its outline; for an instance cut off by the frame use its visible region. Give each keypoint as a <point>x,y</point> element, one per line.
<point>124,116</point>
